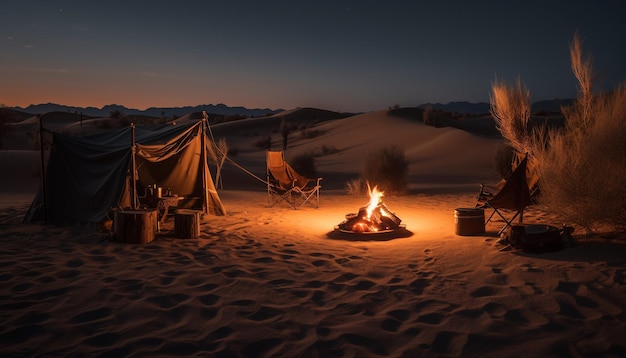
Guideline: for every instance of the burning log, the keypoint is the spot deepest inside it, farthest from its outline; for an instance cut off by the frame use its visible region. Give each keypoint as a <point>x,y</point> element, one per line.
<point>374,218</point>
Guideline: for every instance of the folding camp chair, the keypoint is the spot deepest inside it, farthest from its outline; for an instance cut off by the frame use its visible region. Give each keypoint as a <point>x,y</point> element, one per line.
<point>513,198</point>
<point>285,184</point>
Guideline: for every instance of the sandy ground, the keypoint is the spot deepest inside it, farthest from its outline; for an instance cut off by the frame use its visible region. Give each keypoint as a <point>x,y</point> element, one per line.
<point>278,282</point>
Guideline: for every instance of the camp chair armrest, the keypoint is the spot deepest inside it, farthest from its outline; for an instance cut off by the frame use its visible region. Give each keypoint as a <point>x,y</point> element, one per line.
<point>483,192</point>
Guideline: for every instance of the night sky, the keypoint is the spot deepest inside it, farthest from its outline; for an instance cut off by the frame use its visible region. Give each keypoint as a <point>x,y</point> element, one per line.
<point>337,55</point>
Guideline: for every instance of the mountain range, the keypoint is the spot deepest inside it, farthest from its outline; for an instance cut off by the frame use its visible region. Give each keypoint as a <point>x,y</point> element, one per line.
<point>549,106</point>
<point>463,107</point>
<point>218,109</point>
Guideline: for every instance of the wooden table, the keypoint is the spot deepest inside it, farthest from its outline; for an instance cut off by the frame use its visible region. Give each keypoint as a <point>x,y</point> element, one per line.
<point>163,204</point>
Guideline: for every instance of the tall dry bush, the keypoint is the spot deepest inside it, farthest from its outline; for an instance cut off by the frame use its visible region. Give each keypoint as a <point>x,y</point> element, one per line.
<point>582,166</point>
<point>510,108</point>
<point>583,169</point>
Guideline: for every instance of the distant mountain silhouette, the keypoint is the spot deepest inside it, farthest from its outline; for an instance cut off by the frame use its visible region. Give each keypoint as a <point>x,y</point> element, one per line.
<point>219,109</point>
<point>550,106</point>
<point>462,107</point>
<point>459,107</point>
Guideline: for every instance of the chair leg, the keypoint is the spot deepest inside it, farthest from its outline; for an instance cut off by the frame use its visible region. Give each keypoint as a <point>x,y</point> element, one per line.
<point>508,222</point>
<point>274,197</point>
<point>307,196</point>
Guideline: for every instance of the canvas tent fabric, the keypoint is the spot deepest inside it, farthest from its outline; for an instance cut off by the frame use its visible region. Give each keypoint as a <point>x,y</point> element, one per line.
<point>87,177</point>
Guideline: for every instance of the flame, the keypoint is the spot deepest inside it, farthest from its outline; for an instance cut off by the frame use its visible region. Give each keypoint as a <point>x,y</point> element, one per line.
<point>375,196</point>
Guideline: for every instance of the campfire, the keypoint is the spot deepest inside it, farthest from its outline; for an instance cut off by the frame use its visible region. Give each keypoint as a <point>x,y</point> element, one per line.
<point>371,219</point>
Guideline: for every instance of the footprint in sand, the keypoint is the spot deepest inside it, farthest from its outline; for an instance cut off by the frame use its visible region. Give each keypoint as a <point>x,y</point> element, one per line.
<point>263,348</point>
<point>484,291</point>
<point>572,288</point>
<point>93,315</point>
<point>400,315</point>
<point>281,282</point>
<point>264,313</point>
<point>495,309</point>
<point>417,286</point>
<point>221,333</point>
<point>168,301</point>
<point>431,318</point>
<point>209,300</point>
<point>368,343</point>
<point>580,293</point>
<point>314,284</point>
<point>242,303</point>
<point>22,287</point>
<point>348,276</point>
<point>429,259</point>
<point>390,325</point>
<point>497,279</point>
<point>318,298</point>
<point>320,263</point>
<point>75,263</point>
<point>320,254</point>
<point>449,343</point>
<point>264,260</point>
<point>364,285</point>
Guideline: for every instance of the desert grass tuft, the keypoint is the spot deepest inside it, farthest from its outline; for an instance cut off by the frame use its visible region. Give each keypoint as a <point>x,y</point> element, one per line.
<point>387,168</point>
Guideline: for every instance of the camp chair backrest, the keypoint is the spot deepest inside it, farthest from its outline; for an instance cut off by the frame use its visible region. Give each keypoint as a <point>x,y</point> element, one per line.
<point>278,168</point>
<point>515,194</point>
<point>286,176</point>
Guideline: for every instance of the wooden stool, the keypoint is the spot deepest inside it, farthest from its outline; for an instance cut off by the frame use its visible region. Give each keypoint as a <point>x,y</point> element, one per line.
<point>135,226</point>
<point>187,224</point>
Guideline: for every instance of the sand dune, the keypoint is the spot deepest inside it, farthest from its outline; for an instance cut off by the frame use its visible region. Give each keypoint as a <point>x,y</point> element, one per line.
<point>277,282</point>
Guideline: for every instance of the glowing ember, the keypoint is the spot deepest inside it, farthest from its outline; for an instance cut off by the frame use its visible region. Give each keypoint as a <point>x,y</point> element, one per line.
<point>373,218</point>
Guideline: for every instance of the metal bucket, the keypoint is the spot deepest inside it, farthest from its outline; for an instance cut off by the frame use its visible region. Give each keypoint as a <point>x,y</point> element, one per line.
<point>469,221</point>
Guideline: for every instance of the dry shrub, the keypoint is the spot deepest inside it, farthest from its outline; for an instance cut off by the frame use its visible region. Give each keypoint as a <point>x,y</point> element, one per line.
<point>304,164</point>
<point>581,167</point>
<point>325,149</point>
<point>582,171</point>
<point>309,133</point>
<point>387,168</point>
<point>262,143</point>
<point>356,187</point>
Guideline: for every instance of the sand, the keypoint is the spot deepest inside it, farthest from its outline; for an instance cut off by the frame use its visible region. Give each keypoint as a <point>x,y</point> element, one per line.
<point>278,282</point>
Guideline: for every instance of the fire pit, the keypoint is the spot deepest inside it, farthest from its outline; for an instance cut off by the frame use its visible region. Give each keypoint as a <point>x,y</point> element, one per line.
<point>375,218</point>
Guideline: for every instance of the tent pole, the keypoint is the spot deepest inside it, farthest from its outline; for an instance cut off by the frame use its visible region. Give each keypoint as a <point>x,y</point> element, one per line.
<point>203,158</point>
<point>133,169</point>
<point>43,170</point>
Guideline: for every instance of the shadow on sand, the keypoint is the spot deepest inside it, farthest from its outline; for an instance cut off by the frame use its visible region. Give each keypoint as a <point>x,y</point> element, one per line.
<point>384,236</point>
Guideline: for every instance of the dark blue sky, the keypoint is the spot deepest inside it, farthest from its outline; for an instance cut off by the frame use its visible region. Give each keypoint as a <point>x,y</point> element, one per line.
<point>337,55</point>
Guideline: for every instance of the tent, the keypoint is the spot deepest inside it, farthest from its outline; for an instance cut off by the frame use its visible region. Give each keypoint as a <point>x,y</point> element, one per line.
<point>87,177</point>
